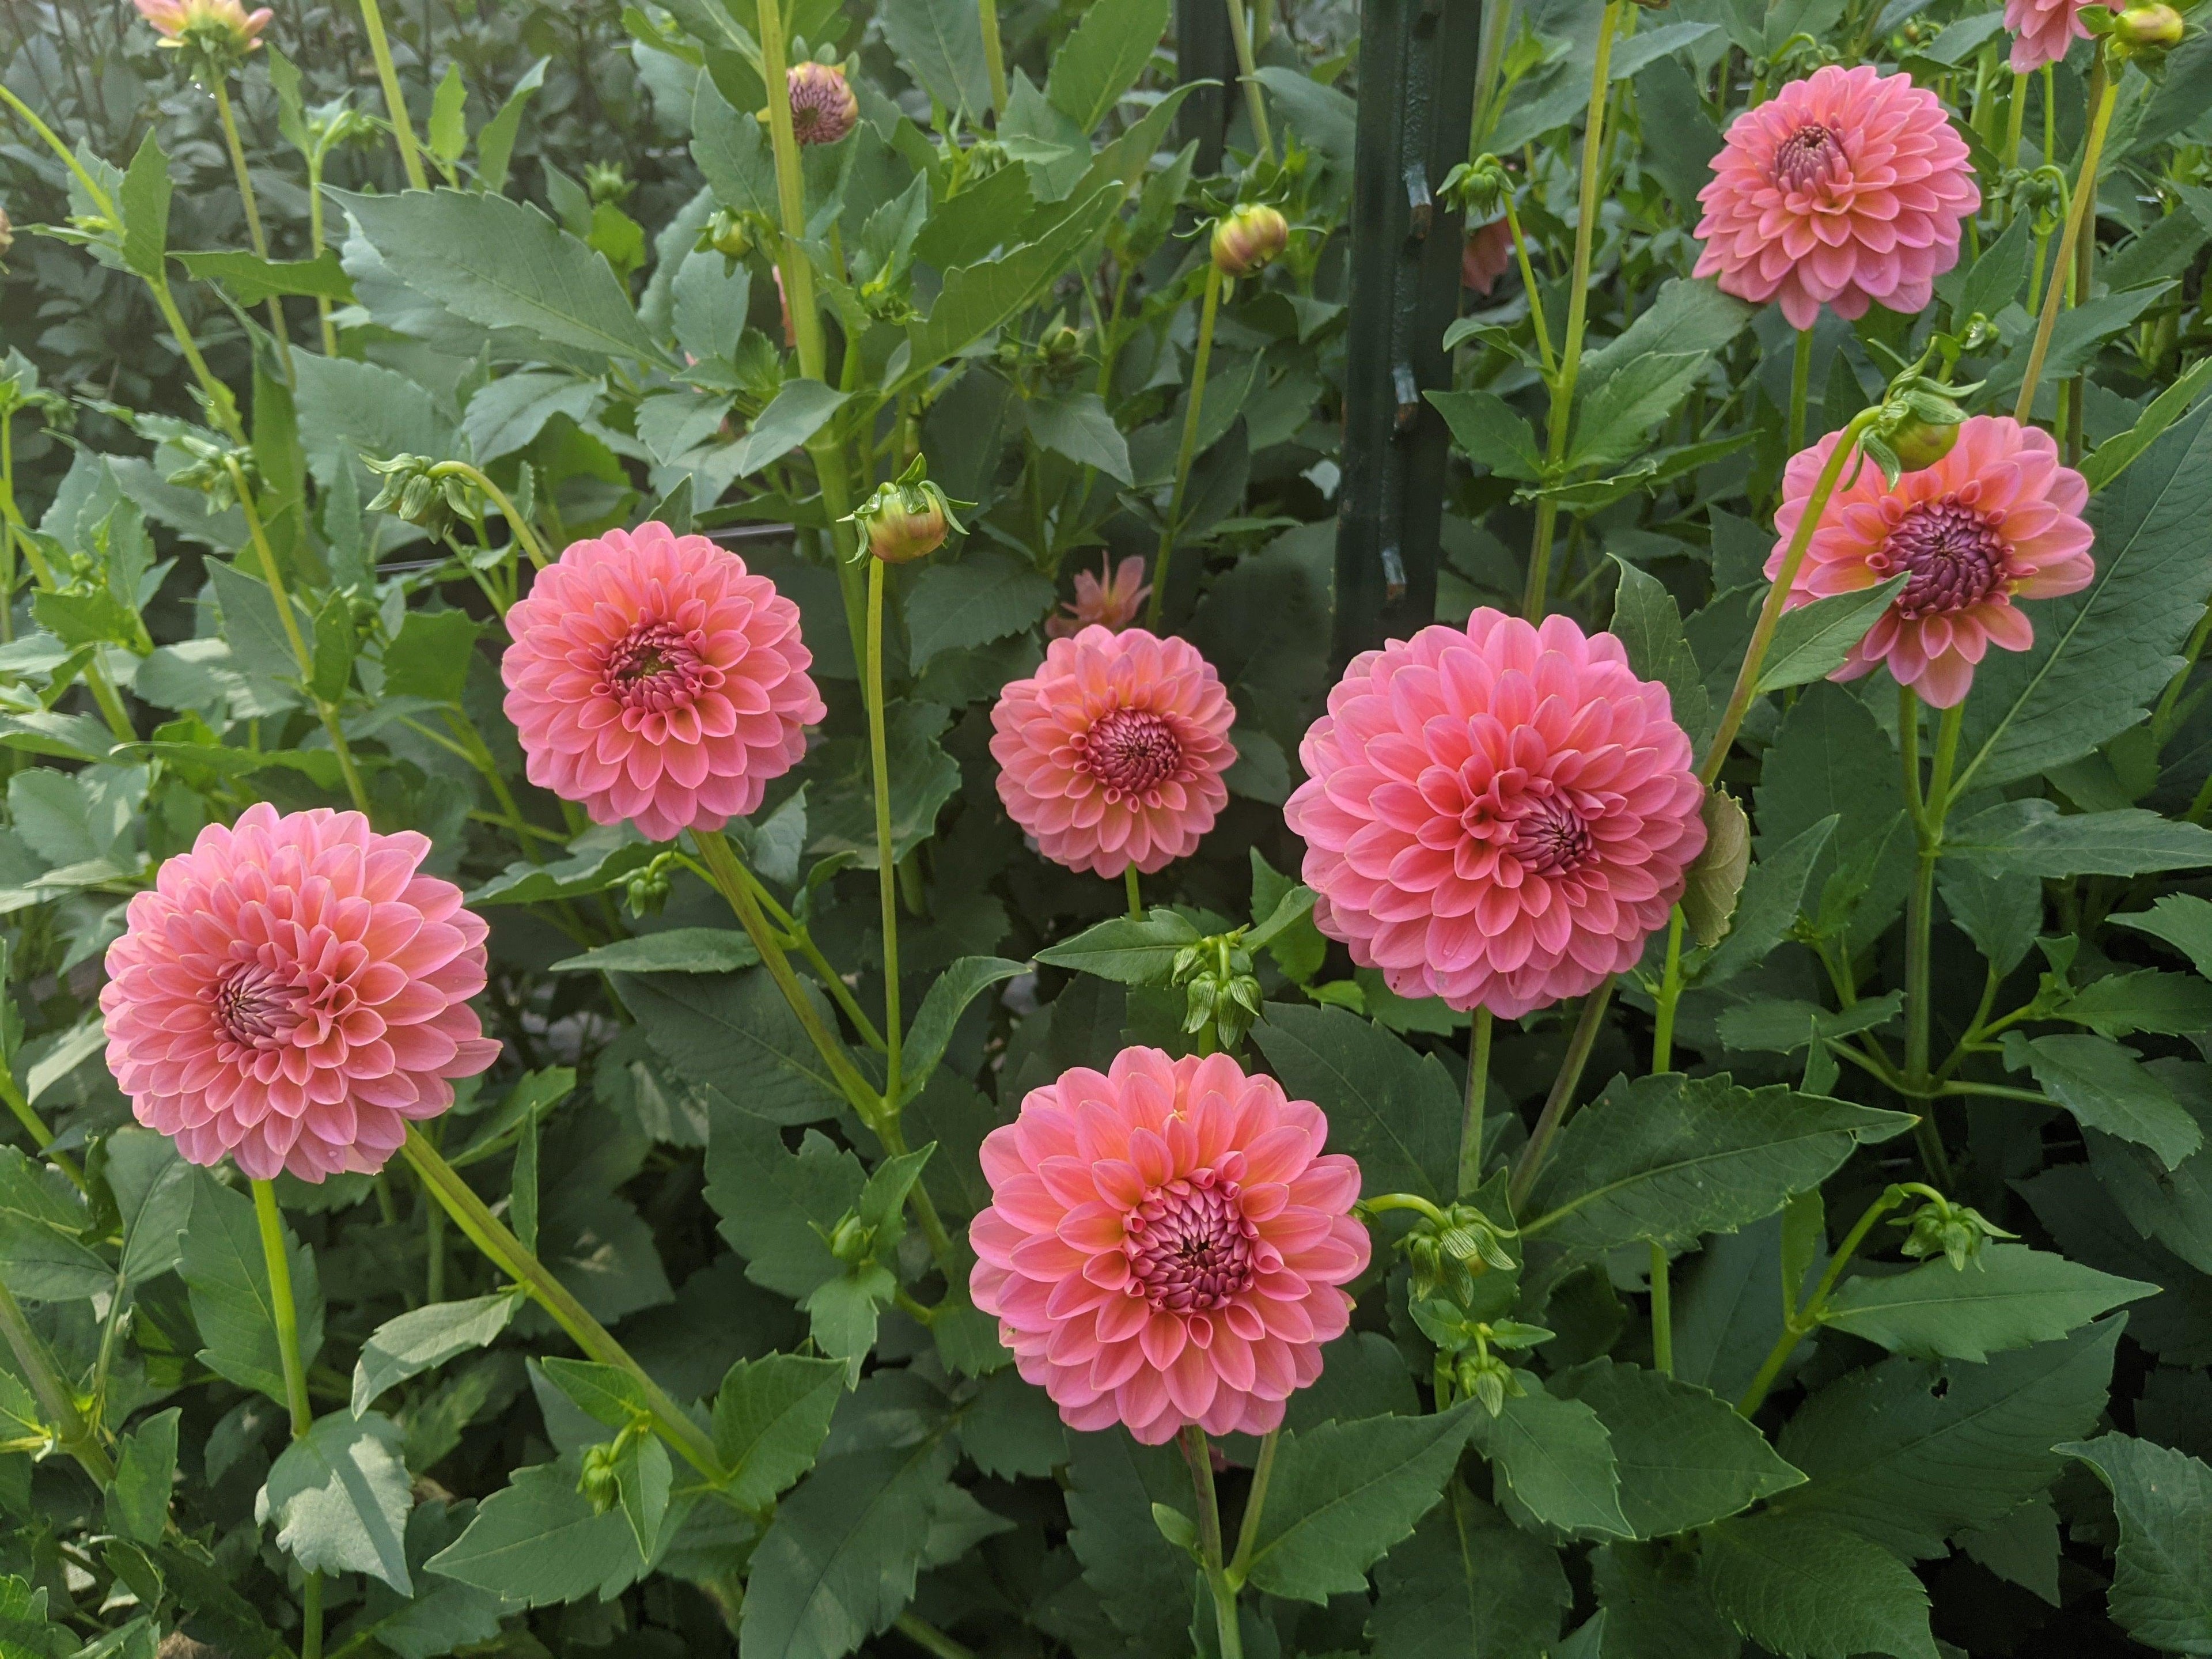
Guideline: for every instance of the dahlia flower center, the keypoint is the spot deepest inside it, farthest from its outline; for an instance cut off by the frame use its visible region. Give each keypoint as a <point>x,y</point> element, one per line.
<point>659,665</point>
<point>1956,557</point>
<point>254,1005</point>
<point>1551,837</point>
<point>1807,156</point>
<point>1131,750</point>
<point>1190,1245</point>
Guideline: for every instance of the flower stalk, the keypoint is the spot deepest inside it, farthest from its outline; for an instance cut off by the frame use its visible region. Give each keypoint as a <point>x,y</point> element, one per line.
<point>72,1432</point>
<point>284,1310</point>
<point>1198,1455</point>
<point>253,232</point>
<point>1478,1093</point>
<point>1187,452</point>
<point>395,101</point>
<point>1248,72</point>
<point>2082,211</point>
<point>886,863</point>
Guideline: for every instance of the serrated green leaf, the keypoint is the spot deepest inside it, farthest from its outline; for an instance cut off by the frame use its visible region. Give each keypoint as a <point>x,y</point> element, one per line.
<point>252,280</point>
<point>1103,57</point>
<point>2162,1569</point>
<point>2105,1087</point>
<point>1124,949</point>
<point>736,1036</point>
<point>984,597</point>
<point>1490,433</point>
<point>1811,640</point>
<point>770,1417</point>
<point>228,1280</point>
<point>145,1468</point>
<point>777,1207</point>
<point>1684,1456</point>
<point>2008,1297</point>
<point>1467,1581</point>
<point>947,999</point>
<point>338,1498</point>
<point>1396,1111</point>
<point>539,1541</point>
<point>424,1338</point>
<point>2183,921</point>
<point>673,951</point>
<point>2032,837</point>
<point>1554,1458</point>
<point>1810,1589</point>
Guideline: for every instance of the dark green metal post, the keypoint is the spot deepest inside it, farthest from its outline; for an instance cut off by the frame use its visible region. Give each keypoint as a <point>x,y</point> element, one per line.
<point>1417,64</point>
<point>1204,52</point>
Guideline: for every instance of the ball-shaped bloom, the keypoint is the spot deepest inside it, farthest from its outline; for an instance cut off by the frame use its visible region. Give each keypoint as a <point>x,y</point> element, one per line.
<point>1483,260</point>
<point>2043,31</point>
<point>1165,1244</point>
<point>1997,518</point>
<point>1841,188</point>
<point>823,105</point>
<point>654,677</point>
<point>1498,816</point>
<point>1111,754</point>
<point>1110,600</point>
<point>293,992</point>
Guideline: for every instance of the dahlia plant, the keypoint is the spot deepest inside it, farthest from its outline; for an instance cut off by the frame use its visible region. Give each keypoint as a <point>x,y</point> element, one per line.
<point>926,840</point>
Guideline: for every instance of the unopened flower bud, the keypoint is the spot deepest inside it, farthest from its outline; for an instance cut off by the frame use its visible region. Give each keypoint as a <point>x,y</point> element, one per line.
<point>597,1480</point>
<point>725,233</point>
<point>1248,239</point>
<point>907,520</point>
<point>852,1241</point>
<point>1919,444</point>
<point>2159,27</point>
<point>822,106</point>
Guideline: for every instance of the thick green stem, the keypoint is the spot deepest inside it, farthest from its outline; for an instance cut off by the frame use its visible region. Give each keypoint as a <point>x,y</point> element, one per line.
<point>1255,1505</point>
<point>395,101</point>
<point>1571,351</point>
<point>1561,1101</point>
<point>1528,283</point>
<point>507,1253</point>
<point>1247,71</point>
<point>75,1435</point>
<point>1189,449</point>
<point>2015,122</point>
<point>253,232</point>
<point>1478,1093</point>
<point>1921,901</point>
<point>285,1311</point>
<point>2083,210</point>
<point>27,1115</point>
<point>879,767</point>
<point>1795,1326</point>
<point>1663,1313</point>
<point>1129,879</point>
<point>929,1639</point>
<point>1670,996</point>
<point>995,54</point>
<point>1800,386</point>
<point>328,329</point>
<point>1200,1457</point>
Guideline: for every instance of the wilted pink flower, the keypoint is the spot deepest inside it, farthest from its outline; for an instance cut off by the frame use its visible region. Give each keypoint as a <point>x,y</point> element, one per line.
<point>822,106</point>
<point>1841,188</point>
<point>653,678</point>
<point>293,994</point>
<point>2043,31</point>
<point>1110,600</point>
<point>1111,754</point>
<point>1164,1242</point>
<point>1498,816</point>
<point>1488,252</point>
<point>1997,518</point>
<point>175,17</point>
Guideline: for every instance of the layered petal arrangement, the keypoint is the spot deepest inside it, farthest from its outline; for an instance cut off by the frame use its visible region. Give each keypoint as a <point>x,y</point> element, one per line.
<point>2043,31</point>
<point>1110,600</point>
<point>654,677</point>
<point>823,105</point>
<point>1844,188</point>
<point>225,19</point>
<point>1111,754</point>
<point>1996,519</point>
<point>292,994</point>
<point>1165,1244</point>
<point>1498,816</point>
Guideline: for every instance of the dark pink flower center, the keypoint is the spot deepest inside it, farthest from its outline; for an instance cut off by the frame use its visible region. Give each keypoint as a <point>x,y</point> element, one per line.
<point>1551,837</point>
<point>659,666</point>
<point>1956,555</point>
<point>254,1006</point>
<point>1190,1246</point>
<point>1131,750</point>
<point>1807,156</point>
<point>821,105</point>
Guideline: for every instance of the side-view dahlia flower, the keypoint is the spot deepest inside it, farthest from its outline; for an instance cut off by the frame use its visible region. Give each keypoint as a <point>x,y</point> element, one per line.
<point>226,20</point>
<point>1111,754</point>
<point>292,993</point>
<point>654,677</point>
<point>822,104</point>
<point>1498,816</point>
<point>1843,188</point>
<point>1488,252</point>
<point>1997,518</point>
<point>1165,1244</point>
<point>1110,600</point>
<point>2043,31</point>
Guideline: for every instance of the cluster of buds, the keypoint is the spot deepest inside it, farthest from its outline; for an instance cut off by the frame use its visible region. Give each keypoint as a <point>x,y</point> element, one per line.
<point>211,38</point>
<point>906,519</point>
<point>1469,1352</point>
<point>1247,240</point>
<point>19,382</point>
<point>1061,351</point>
<point>2037,193</point>
<point>600,1478</point>
<point>415,491</point>
<point>647,891</point>
<point>1485,1377</point>
<point>1219,986</point>
<point>1447,1251</point>
<point>213,468</point>
<point>1479,188</point>
<point>1954,1231</point>
<point>823,106</point>
<point>607,181</point>
<point>852,1241</point>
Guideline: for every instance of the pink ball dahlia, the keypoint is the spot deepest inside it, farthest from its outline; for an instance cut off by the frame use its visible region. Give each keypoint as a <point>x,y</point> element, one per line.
<point>1997,518</point>
<point>1843,188</point>
<point>1111,754</point>
<point>1164,1243</point>
<point>2043,31</point>
<point>1498,816</point>
<point>823,105</point>
<point>293,994</point>
<point>653,678</point>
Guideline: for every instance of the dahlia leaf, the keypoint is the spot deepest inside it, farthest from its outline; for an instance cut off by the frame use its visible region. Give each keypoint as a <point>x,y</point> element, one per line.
<point>2011,1298</point>
<point>1811,642</point>
<point>2162,1579</point>
<point>674,950</point>
<point>2170,1203</point>
<point>2182,920</point>
<point>429,656</point>
<point>1772,898</point>
<point>2031,837</point>
<point>145,1469</point>
<point>339,1497</point>
<point>2108,1088</point>
<point>1685,1457</point>
<point>1554,1461</point>
<point>145,201</point>
<point>539,1541</point>
<point>941,42</point>
<point>1654,1608</point>
<point>1126,949</point>
<point>770,1417</point>
<point>1098,62</point>
<point>1142,1582</point>
<point>40,1218</point>
<point>1394,1110</point>
<point>1491,434</point>
<point>736,1036</point>
<point>1467,1581</point>
<point>418,1340</point>
<point>1810,1589</point>
<point>983,596</point>
<point>777,1208</point>
<point>948,998</point>
<point>800,408</point>
<point>227,1279</point>
<point>2122,1005</point>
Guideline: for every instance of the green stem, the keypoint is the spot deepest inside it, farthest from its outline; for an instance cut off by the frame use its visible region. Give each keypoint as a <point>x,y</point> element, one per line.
<point>2084,208</point>
<point>1561,1101</point>
<point>886,863</point>
<point>41,1137</point>
<point>1136,896</point>
<point>1800,382</point>
<point>328,329</point>
<point>285,1311</point>
<point>1663,1313</point>
<point>395,102</point>
<point>1188,452</point>
<point>1255,1505</point>
<point>1199,1459</point>
<point>1770,613</point>
<point>1921,901</point>
<point>1795,1326</point>
<point>1247,71</point>
<point>994,55</point>
<point>929,1638</point>
<point>523,533</point>
<point>1670,996</point>
<point>12,531</point>
<point>253,232</point>
<point>1571,359</point>
<point>1529,283</point>
<point>2015,122</point>
<point>75,1435</point>
<point>507,1253</point>
<point>1477,1093</point>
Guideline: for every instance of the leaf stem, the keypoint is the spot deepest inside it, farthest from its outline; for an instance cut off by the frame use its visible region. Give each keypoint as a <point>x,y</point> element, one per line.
<point>286,1312</point>
<point>1188,451</point>
<point>253,232</point>
<point>1478,1094</point>
<point>75,1435</point>
<point>995,54</point>
<point>2105,91</point>
<point>1561,1101</point>
<point>1670,998</point>
<point>1797,1325</point>
<point>1200,1457</point>
<point>524,535</point>
<point>395,101</point>
<point>886,864</point>
<point>1247,71</point>
<point>1529,283</point>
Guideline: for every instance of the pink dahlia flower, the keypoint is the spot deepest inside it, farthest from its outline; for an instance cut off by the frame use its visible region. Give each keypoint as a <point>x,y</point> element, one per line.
<point>1110,600</point>
<point>1843,188</point>
<point>823,106</point>
<point>224,18</point>
<point>1164,1243</point>
<point>1488,252</point>
<point>653,678</point>
<point>2043,31</point>
<point>293,994</point>
<point>1112,753</point>
<point>1997,518</point>
<point>1498,816</point>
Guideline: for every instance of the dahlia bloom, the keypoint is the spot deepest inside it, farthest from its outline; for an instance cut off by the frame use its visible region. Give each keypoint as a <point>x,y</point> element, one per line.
<point>1997,518</point>
<point>226,18</point>
<point>1112,753</point>
<point>1165,1244</point>
<point>1488,252</point>
<point>1110,600</point>
<point>1498,816</point>
<point>2043,31</point>
<point>291,992</point>
<point>1843,188</point>
<point>653,678</point>
<point>822,106</point>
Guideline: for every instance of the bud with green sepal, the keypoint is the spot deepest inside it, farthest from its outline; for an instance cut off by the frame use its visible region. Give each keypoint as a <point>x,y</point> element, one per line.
<point>1247,238</point>
<point>906,519</point>
<point>2147,31</point>
<point>647,891</point>
<point>1953,1231</point>
<point>1221,991</point>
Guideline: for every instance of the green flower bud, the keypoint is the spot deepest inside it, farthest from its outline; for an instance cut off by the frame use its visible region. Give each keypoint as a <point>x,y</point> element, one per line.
<point>2157,29</point>
<point>1248,239</point>
<point>907,520</point>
